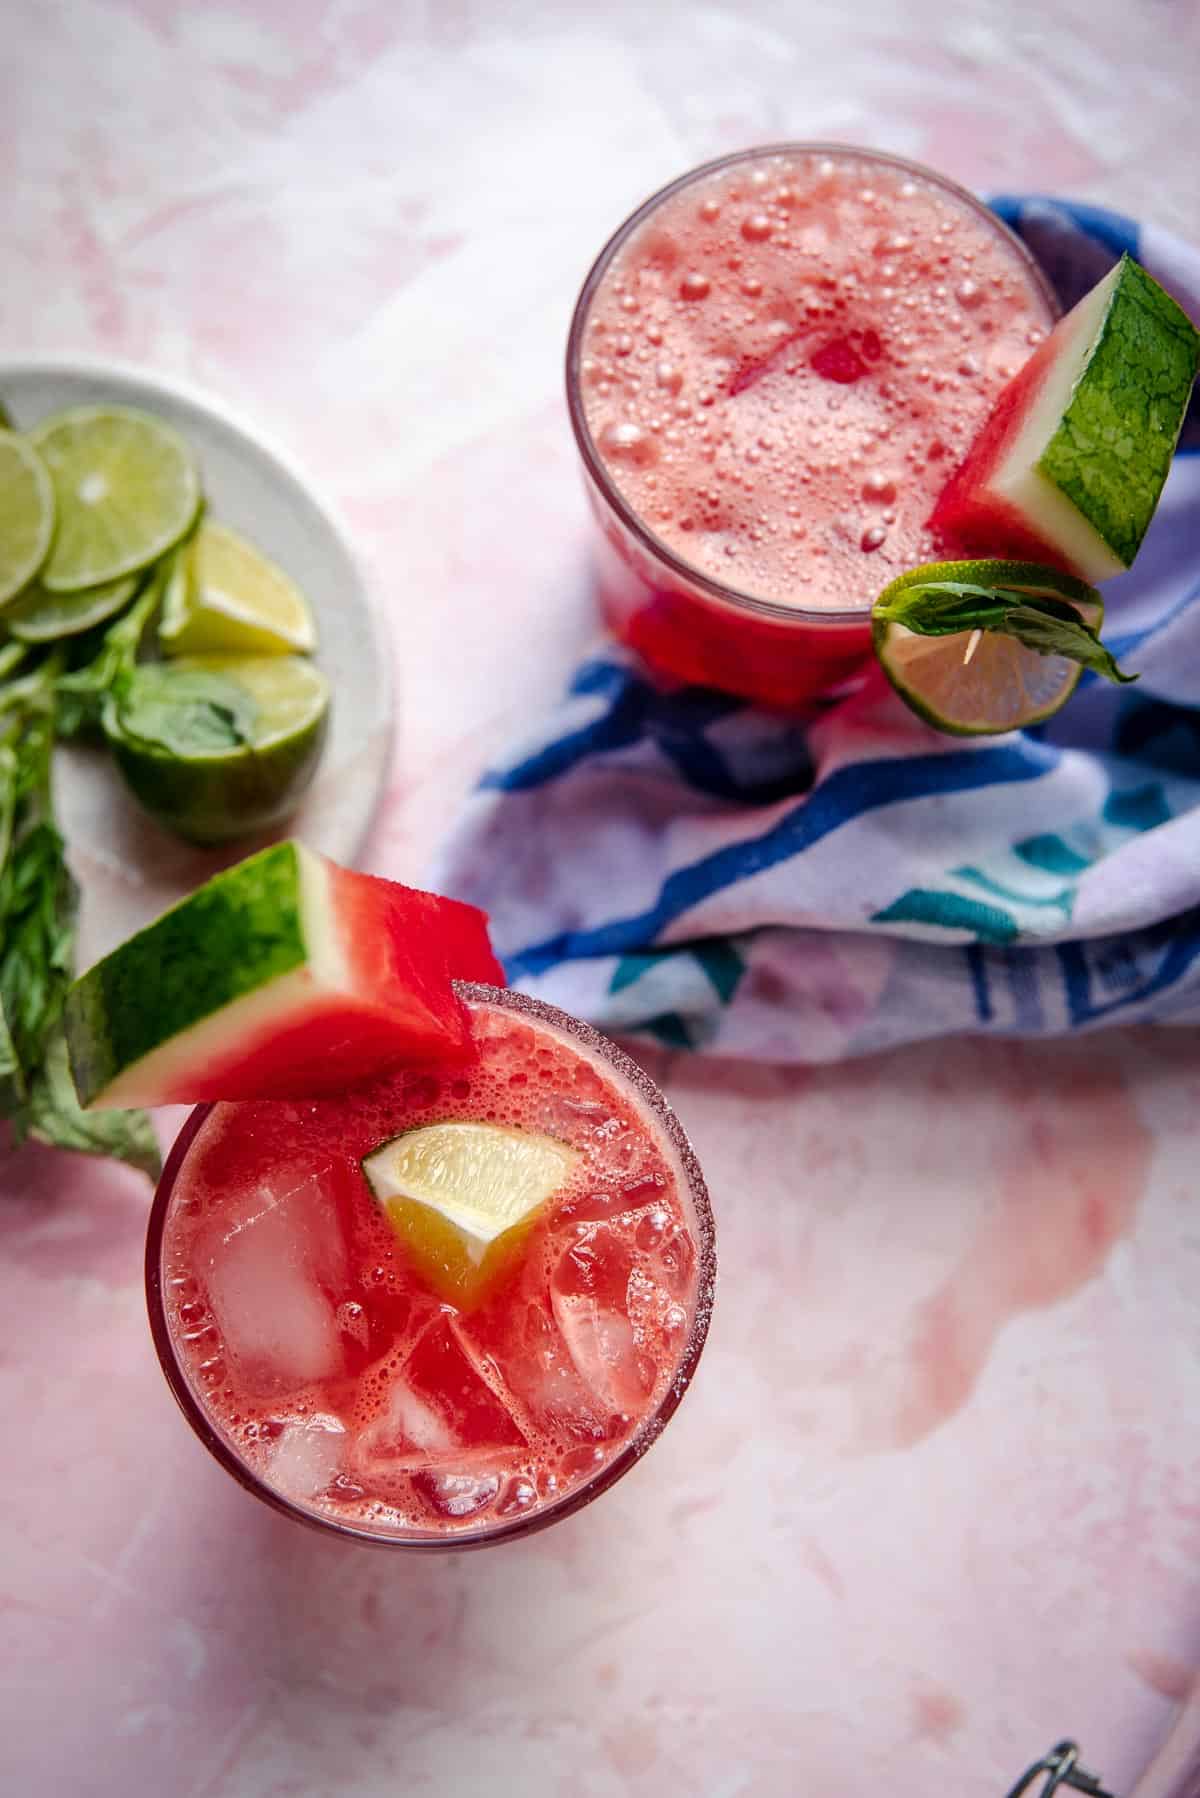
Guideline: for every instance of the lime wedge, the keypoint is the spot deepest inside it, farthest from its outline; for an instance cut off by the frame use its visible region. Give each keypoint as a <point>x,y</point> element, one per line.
<point>40,616</point>
<point>978,682</point>
<point>127,488</point>
<point>230,600</point>
<point>26,514</point>
<point>462,1197</point>
<point>218,746</point>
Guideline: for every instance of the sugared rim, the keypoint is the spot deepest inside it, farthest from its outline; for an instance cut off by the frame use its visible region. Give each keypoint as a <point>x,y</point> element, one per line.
<point>594,462</point>
<point>647,1432</point>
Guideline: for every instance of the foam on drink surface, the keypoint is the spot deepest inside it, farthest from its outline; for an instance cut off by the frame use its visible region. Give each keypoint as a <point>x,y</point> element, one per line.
<point>344,1381</point>
<point>784,362</point>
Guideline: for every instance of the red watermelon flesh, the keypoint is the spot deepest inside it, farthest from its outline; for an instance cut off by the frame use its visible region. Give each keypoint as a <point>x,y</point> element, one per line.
<point>285,977</point>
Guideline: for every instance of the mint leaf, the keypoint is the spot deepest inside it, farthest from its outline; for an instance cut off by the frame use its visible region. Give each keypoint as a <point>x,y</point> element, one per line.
<point>945,608</point>
<point>1056,629</point>
<point>182,711</point>
<point>83,693</point>
<point>55,1117</point>
<point>1039,620</point>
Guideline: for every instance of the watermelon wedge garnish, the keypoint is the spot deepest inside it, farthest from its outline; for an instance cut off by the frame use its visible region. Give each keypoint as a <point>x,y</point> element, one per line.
<point>1069,465</point>
<point>287,977</point>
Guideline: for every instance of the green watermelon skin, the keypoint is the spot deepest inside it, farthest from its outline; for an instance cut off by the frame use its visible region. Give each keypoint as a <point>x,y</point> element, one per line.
<point>285,977</point>
<point>1069,465</point>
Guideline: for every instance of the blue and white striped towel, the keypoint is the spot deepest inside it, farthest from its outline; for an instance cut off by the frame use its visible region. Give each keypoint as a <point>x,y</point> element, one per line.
<point>681,865</point>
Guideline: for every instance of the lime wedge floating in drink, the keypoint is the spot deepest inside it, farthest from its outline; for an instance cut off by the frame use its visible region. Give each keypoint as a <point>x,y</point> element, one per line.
<point>26,514</point>
<point>1070,463</point>
<point>284,977</point>
<point>40,616</point>
<point>230,599</point>
<point>976,679</point>
<point>216,747</point>
<point>462,1197</point>
<point>126,486</point>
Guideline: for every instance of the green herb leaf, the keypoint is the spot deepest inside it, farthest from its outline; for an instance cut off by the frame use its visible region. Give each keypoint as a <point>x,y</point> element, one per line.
<point>1054,628</point>
<point>1051,626</point>
<point>84,692</point>
<point>182,712</point>
<point>55,1117</point>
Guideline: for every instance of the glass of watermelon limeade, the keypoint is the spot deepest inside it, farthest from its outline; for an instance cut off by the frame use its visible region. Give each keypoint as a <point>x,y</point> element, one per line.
<point>320,1366</point>
<point>773,367</point>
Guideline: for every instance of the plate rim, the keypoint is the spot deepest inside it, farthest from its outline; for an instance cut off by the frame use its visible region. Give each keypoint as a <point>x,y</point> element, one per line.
<point>96,365</point>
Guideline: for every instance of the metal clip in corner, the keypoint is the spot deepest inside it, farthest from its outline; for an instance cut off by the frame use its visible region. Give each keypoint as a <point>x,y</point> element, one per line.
<point>1060,1768</point>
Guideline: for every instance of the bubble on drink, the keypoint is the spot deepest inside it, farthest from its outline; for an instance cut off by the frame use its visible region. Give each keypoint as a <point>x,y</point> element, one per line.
<point>871,282</point>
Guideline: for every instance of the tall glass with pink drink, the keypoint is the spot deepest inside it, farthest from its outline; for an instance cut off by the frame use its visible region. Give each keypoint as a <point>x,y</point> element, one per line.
<point>357,1368</point>
<point>773,367</point>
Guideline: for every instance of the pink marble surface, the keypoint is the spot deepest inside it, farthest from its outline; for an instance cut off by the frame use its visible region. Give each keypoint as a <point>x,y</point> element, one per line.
<point>934,1500</point>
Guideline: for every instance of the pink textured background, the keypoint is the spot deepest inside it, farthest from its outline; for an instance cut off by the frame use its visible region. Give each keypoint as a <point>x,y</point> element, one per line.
<point>934,1500</point>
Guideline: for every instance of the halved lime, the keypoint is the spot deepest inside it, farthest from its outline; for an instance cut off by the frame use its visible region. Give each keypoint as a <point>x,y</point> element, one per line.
<point>127,488</point>
<point>462,1196</point>
<point>228,599</point>
<point>216,747</point>
<point>26,514</point>
<point>40,616</point>
<point>978,682</point>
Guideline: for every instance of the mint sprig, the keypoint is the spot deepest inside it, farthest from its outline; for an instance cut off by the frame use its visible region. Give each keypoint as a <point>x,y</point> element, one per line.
<point>1051,627</point>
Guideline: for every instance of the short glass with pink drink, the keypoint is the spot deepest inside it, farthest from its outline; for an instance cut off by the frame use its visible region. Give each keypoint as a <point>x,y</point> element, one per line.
<point>773,367</point>
<point>334,1382</point>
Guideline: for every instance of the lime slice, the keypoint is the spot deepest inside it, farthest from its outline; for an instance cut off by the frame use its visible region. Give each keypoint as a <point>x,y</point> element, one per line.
<point>229,599</point>
<point>462,1197</point>
<point>40,616</point>
<point>218,746</point>
<point>26,514</point>
<point>978,682</point>
<point>127,488</point>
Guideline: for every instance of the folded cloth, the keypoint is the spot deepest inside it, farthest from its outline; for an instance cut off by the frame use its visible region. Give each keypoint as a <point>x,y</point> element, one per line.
<point>681,865</point>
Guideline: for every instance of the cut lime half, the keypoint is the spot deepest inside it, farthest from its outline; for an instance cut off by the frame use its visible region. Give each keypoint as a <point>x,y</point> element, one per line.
<point>127,487</point>
<point>216,747</point>
<point>978,683</point>
<point>461,1197</point>
<point>227,598</point>
<point>26,514</point>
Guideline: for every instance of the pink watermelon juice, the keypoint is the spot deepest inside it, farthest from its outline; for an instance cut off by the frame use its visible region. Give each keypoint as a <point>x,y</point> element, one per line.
<point>774,367</point>
<point>327,1375</point>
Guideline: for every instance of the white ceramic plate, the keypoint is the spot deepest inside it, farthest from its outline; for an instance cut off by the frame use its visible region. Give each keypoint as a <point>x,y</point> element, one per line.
<point>128,868</point>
